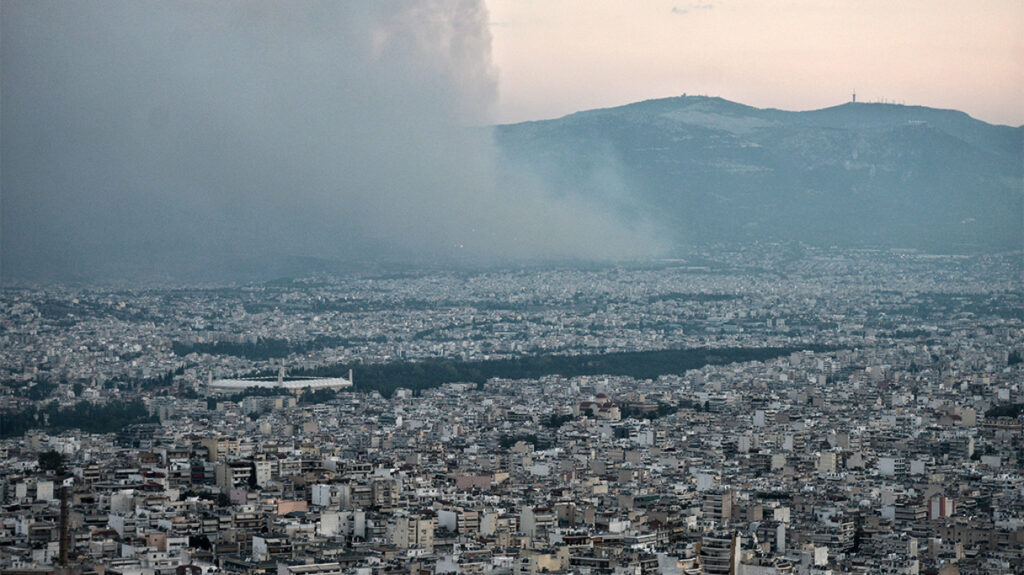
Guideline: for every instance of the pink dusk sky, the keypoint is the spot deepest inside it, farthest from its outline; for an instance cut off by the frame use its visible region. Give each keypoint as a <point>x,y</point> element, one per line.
<point>555,57</point>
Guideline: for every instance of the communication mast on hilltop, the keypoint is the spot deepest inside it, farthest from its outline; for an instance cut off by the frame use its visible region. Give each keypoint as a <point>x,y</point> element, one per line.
<point>854,100</point>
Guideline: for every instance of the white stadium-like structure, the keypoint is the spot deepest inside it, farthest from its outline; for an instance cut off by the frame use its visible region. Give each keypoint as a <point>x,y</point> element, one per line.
<point>286,383</point>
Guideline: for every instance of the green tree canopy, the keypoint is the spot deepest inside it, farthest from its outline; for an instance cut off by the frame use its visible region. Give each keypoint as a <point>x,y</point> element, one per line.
<point>51,461</point>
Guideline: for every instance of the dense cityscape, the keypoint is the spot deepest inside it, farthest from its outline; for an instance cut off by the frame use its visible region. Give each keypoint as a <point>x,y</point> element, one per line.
<point>506,287</point>
<point>775,409</point>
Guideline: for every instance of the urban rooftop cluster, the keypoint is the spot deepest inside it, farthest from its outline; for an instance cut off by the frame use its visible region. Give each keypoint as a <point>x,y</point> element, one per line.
<point>826,412</point>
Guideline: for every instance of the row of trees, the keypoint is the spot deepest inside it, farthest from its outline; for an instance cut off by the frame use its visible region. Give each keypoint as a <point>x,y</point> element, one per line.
<point>385,378</point>
<point>1006,410</point>
<point>84,415</point>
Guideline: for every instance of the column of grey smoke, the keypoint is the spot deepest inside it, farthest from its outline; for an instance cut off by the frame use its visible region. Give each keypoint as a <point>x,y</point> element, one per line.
<point>145,136</point>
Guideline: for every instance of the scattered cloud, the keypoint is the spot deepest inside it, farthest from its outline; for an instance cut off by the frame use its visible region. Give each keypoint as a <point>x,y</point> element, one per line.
<point>692,7</point>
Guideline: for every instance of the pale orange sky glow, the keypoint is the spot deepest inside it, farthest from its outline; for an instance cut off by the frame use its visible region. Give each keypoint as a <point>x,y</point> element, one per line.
<point>555,57</point>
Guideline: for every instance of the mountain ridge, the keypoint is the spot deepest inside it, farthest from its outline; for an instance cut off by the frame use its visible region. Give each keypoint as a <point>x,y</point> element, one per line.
<point>705,168</point>
<point>850,105</point>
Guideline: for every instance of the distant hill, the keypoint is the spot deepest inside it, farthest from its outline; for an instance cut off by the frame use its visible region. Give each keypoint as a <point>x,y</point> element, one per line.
<point>707,169</point>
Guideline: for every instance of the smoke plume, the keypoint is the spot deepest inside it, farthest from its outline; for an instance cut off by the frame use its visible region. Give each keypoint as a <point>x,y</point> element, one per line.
<point>153,139</point>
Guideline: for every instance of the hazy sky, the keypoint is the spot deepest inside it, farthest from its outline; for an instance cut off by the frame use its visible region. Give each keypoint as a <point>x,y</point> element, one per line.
<point>558,56</point>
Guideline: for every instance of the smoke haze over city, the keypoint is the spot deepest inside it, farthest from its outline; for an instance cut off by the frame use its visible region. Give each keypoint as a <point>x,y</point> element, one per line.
<point>247,140</point>
<point>155,139</point>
